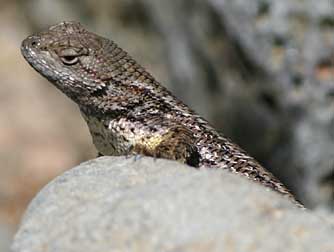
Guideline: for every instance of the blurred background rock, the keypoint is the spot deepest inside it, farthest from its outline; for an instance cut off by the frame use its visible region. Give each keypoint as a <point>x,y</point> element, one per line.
<point>260,71</point>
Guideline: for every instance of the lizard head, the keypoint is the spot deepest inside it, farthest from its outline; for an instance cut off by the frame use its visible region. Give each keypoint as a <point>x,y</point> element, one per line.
<point>76,61</point>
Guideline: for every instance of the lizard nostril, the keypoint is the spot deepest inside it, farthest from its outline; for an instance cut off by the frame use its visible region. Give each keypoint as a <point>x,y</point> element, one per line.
<point>33,42</point>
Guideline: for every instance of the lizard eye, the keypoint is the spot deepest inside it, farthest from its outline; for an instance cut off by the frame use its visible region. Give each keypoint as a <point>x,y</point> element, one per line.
<point>69,59</point>
<point>69,56</point>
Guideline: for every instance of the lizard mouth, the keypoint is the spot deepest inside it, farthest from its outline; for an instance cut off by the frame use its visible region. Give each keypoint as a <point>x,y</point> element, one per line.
<point>38,56</point>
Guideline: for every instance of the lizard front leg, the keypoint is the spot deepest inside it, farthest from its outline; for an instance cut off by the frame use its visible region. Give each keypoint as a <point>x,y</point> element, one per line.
<point>158,138</point>
<point>177,143</point>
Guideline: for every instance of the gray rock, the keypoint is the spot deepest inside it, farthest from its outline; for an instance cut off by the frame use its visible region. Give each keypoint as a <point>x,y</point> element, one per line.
<point>117,204</point>
<point>292,41</point>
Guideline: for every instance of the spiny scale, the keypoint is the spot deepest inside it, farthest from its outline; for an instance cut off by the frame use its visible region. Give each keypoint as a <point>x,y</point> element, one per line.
<point>126,109</point>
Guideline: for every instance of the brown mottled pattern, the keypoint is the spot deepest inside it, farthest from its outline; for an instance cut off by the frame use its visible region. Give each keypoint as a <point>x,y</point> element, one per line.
<point>126,109</point>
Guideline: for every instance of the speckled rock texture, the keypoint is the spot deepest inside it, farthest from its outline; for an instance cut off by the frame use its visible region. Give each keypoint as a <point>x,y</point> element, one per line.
<point>118,204</point>
<point>292,43</point>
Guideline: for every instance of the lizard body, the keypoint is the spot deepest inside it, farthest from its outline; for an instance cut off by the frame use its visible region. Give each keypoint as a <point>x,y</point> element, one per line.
<point>127,110</point>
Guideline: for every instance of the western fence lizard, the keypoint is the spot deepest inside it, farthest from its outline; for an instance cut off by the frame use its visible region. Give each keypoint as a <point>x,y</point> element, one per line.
<point>127,110</point>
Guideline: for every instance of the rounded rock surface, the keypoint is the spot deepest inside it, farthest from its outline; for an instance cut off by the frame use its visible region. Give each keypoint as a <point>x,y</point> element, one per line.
<point>118,204</point>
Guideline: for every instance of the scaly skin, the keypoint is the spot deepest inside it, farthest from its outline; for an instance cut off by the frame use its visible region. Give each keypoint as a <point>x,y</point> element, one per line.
<point>127,110</point>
